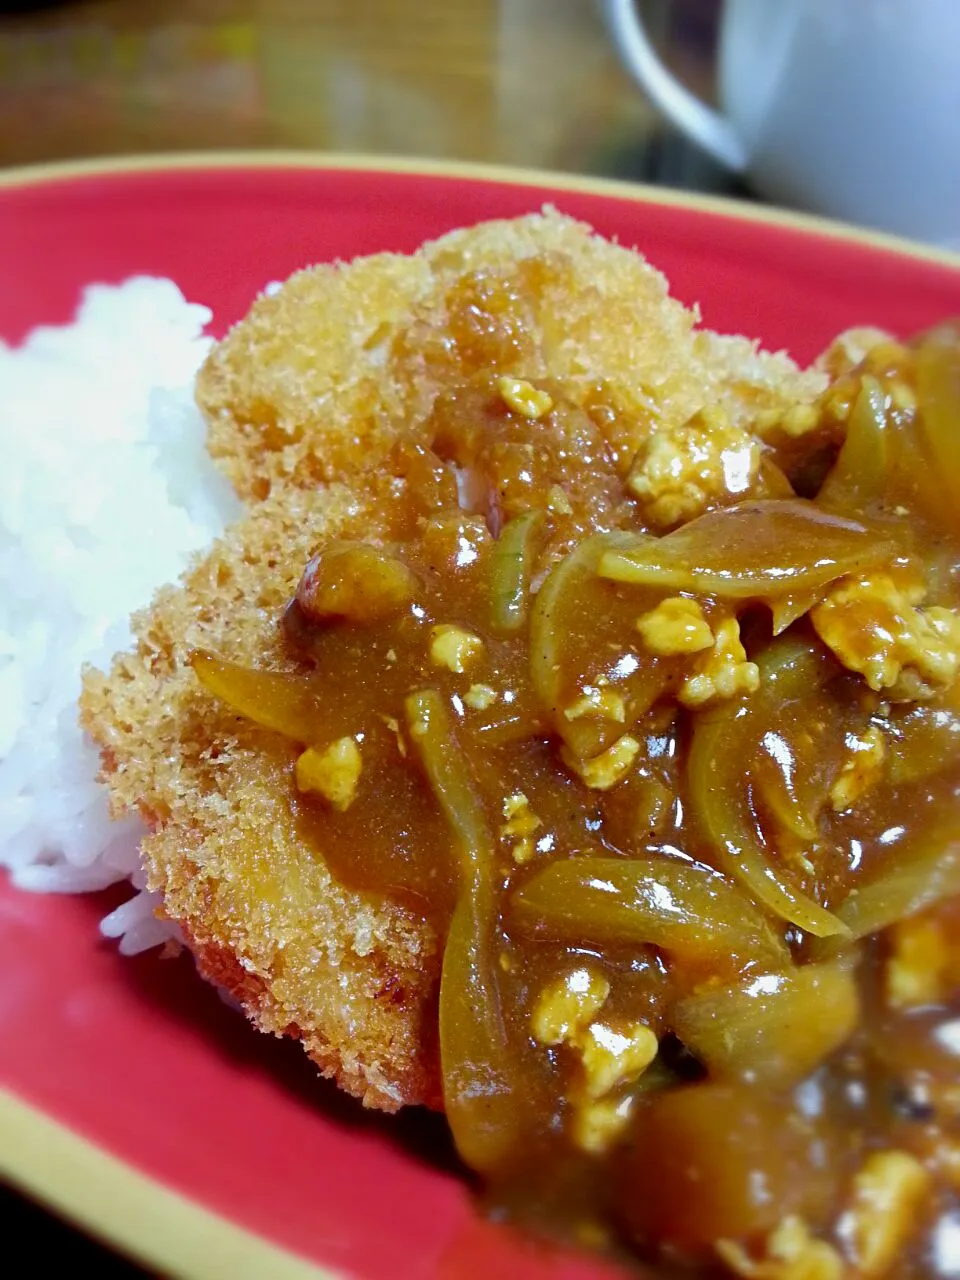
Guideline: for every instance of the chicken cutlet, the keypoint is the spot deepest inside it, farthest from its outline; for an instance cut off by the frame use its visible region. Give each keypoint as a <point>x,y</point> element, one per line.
<point>311,402</point>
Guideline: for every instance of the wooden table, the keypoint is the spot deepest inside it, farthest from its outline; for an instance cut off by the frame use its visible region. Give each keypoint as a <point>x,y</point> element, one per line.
<point>526,82</point>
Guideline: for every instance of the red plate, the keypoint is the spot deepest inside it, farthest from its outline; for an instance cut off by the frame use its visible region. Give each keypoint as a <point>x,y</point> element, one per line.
<point>123,1081</point>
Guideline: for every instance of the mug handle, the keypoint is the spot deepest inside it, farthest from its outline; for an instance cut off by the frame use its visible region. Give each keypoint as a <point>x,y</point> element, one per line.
<point>709,128</point>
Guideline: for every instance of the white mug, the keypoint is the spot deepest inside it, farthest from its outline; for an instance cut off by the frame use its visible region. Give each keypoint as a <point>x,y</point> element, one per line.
<point>845,107</point>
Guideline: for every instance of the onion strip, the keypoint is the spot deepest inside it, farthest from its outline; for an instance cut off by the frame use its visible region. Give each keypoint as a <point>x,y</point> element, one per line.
<point>548,634</point>
<point>685,909</point>
<point>510,572</point>
<point>859,475</point>
<point>938,395</point>
<point>479,1073</point>
<point>723,743</point>
<point>771,1029</point>
<point>274,700</point>
<point>750,552</point>
<point>916,881</point>
<point>447,770</point>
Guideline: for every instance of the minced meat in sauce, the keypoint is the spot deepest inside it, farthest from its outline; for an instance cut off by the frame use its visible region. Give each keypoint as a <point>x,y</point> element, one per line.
<point>666,747</point>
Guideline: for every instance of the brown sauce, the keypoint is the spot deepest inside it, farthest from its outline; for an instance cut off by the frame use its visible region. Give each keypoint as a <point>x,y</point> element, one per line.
<point>699,862</point>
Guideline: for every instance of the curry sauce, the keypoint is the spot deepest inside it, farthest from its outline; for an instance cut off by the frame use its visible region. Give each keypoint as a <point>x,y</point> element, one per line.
<point>664,743</point>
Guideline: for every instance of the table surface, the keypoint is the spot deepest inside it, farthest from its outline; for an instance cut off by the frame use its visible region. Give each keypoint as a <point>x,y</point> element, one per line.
<point>522,82</point>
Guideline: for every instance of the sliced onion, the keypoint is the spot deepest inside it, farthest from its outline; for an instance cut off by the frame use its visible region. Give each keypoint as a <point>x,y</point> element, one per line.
<point>792,706</point>
<point>786,610</point>
<point>859,475</point>
<point>576,612</point>
<point>938,396</point>
<point>755,551</point>
<point>272,699</point>
<point>683,908</point>
<point>447,770</point>
<point>770,1028</point>
<point>480,1087</point>
<point>546,633</point>
<point>924,742</point>
<point>478,1064</point>
<point>723,747</point>
<point>923,875</point>
<point>510,571</point>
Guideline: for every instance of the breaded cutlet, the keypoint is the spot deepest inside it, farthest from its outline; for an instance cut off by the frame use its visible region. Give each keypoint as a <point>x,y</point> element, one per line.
<point>304,401</point>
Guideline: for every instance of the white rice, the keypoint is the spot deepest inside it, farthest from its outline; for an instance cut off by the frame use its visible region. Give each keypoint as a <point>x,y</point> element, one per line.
<point>106,490</point>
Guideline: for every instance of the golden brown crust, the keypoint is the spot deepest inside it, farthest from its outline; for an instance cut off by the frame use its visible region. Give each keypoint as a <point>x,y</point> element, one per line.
<point>310,386</point>
<point>310,391</point>
<point>352,976</point>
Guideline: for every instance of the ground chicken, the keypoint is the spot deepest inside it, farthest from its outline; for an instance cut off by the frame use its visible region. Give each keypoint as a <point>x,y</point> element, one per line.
<point>722,671</point>
<point>861,768</point>
<point>683,472</point>
<point>887,1193</point>
<point>874,627</point>
<point>677,625</point>
<point>792,1252</point>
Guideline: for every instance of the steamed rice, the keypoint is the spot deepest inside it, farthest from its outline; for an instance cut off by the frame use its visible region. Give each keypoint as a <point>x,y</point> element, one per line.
<point>106,490</point>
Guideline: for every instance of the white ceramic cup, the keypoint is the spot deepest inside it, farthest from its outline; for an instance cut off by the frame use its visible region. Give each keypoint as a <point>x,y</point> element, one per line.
<point>846,107</point>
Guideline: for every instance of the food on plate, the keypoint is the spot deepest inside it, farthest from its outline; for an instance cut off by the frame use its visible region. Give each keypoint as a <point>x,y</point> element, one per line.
<point>566,736</point>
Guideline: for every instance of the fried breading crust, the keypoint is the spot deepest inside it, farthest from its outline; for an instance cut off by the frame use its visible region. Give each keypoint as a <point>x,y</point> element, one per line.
<point>312,384</point>
<point>304,400</point>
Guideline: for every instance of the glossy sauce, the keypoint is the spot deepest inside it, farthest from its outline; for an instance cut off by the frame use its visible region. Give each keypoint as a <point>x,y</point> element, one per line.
<point>807,948</point>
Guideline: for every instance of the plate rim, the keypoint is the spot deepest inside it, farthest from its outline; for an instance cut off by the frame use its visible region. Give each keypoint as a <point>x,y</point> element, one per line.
<point>44,172</point>
<point>43,1156</point>
<point>116,1202</point>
